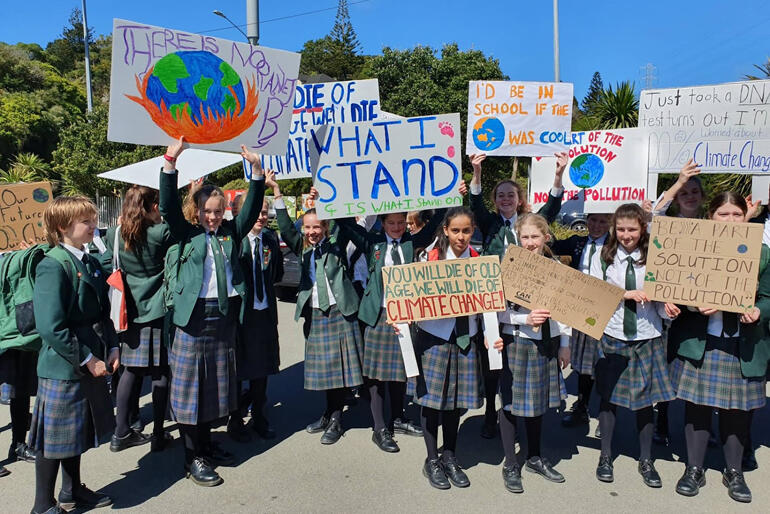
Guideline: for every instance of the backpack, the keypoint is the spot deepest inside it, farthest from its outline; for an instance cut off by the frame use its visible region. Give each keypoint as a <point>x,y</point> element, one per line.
<point>176,254</point>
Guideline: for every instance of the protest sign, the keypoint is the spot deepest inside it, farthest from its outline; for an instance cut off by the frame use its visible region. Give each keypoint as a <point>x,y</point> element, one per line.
<point>392,165</point>
<point>760,188</point>
<point>231,197</point>
<point>21,213</point>
<point>606,169</point>
<point>217,93</point>
<point>518,118</point>
<point>725,128</point>
<point>574,298</point>
<point>703,263</point>
<point>442,289</point>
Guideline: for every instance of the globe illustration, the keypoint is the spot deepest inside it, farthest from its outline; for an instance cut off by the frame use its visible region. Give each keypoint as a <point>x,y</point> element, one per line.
<point>586,170</point>
<point>488,134</point>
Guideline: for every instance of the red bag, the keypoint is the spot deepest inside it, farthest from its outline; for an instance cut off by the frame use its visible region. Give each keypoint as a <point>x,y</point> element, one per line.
<point>118,310</point>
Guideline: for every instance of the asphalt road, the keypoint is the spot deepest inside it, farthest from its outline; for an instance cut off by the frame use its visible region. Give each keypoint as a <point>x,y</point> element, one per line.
<point>295,473</point>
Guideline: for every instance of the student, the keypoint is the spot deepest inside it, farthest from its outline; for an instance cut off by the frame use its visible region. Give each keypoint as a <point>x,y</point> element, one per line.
<point>687,193</point>
<point>258,352</point>
<point>631,371</point>
<point>208,305</point>
<point>724,360</point>
<point>73,410</point>
<point>329,304</point>
<point>449,378</point>
<point>18,371</point>
<point>585,252</point>
<point>534,347</point>
<point>416,220</point>
<point>141,241</point>
<point>498,231</point>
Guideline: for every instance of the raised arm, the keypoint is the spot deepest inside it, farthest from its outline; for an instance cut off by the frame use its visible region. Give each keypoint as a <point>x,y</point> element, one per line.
<point>484,218</point>
<point>552,207</point>
<point>252,205</point>
<point>170,206</point>
<point>289,233</point>
<point>665,200</point>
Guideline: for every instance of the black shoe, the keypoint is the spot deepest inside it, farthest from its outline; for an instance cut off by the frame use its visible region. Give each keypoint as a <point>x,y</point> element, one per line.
<point>133,438</point>
<point>333,432</point>
<point>384,441</point>
<point>454,472</point>
<point>598,432</point>
<point>3,471</point>
<point>218,455</point>
<point>489,428</point>
<point>83,497</point>
<point>238,431</point>
<point>543,467</point>
<point>434,472</point>
<point>660,437</point>
<point>407,427</point>
<point>693,479</point>
<point>318,426</point>
<point>577,415</point>
<point>160,441</point>
<point>201,473</point>
<point>604,471</point>
<point>749,461</point>
<point>21,452</point>
<point>53,510</point>
<point>649,473</point>
<point>736,485</point>
<point>262,428</point>
<point>512,478</point>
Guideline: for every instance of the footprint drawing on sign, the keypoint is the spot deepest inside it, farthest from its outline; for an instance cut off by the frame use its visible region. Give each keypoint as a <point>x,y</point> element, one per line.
<point>450,151</point>
<point>446,128</point>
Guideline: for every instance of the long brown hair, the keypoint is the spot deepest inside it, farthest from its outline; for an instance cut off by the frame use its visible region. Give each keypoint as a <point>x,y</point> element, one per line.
<point>442,243</point>
<point>523,206</point>
<point>136,215</point>
<point>730,197</point>
<point>627,211</point>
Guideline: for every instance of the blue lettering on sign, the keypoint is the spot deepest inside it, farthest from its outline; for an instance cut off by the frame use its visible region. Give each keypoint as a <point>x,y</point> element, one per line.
<point>383,176</point>
<point>405,165</point>
<point>355,138</point>
<point>321,178</point>
<point>353,175</point>
<point>422,121</point>
<point>431,166</point>
<point>371,139</point>
<point>384,125</point>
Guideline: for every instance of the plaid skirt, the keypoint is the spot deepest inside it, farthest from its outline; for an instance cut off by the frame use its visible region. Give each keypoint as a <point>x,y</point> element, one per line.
<point>202,359</point>
<point>449,377</point>
<point>382,353</point>
<point>70,416</point>
<point>531,381</point>
<point>257,351</point>
<point>584,353</point>
<point>18,369</point>
<point>141,345</point>
<point>332,352</point>
<point>718,381</point>
<point>633,375</point>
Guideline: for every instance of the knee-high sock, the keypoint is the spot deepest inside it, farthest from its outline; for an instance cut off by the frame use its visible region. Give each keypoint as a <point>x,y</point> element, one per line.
<point>136,394</point>
<point>734,428</point>
<point>190,438</point>
<point>491,379</point>
<point>377,404</point>
<point>450,425</point>
<point>335,402</point>
<point>70,474</point>
<point>125,397</point>
<point>645,427</point>
<point>607,426</point>
<point>534,428</point>
<point>697,419</point>
<point>19,418</point>
<point>258,388</point>
<point>159,403</point>
<point>585,384</point>
<point>508,436</point>
<point>397,391</point>
<point>45,483</point>
<point>430,421</point>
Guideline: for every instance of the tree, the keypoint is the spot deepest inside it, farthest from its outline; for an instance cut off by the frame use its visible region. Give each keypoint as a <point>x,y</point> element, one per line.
<point>337,54</point>
<point>618,108</point>
<point>764,69</point>
<point>594,92</point>
<point>69,48</point>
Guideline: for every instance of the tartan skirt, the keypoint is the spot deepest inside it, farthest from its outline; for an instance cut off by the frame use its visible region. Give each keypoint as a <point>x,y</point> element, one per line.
<point>718,382</point>
<point>584,353</point>
<point>141,346</point>
<point>70,416</point>
<point>633,375</point>
<point>202,359</point>
<point>450,378</point>
<point>332,351</point>
<point>530,381</point>
<point>18,369</point>
<point>382,353</point>
<point>257,352</point>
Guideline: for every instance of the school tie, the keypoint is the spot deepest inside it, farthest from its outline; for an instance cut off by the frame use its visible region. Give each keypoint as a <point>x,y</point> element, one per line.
<point>547,330</point>
<point>394,254</point>
<point>88,264</point>
<point>219,268</point>
<point>319,278</point>
<point>509,236</point>
<point>461,332</point>
<point>591,254</point>
<point>629,306</point>
<point>259,280</point>
<point>729,324</point>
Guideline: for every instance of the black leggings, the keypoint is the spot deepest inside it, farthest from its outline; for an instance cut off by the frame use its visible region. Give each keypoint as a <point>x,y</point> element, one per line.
<point>450,424</point>
<point>196,438</point>
<point>335,402</point>
<point>644,427</point>
<point>534,429</point>
<point>126,396</point>
<point>19,419</point>
<point>45,479</point>
<point>734,428</point>
<point>396,392</point>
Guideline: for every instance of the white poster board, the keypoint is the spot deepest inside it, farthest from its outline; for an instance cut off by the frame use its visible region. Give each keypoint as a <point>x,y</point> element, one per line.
<point>760,188</point>
<point>392,165</point>
<point>606,169</point>
<point>518,118</point>
<point>219,94</point>
<point>725,128</point>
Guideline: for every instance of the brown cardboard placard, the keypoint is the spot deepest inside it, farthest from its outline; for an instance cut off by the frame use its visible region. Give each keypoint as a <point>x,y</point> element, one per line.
<point>442,289</point>
<point>21,213</point>
<point>574,298</point>
<point>704,263</point>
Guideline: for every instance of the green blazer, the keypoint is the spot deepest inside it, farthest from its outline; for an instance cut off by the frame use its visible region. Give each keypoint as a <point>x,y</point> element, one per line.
<point>334,259</point>
<point>374,245</point>
<point>688,332</point>
<point>72,320</point>
<point>272,270</point>
<point>193,240</point>
<point>143,270</point>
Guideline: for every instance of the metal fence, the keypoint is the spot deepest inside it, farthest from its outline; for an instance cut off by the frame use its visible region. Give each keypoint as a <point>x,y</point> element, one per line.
<point>109,209</point>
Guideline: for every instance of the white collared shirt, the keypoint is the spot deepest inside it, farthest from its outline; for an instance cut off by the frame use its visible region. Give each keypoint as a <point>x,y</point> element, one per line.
<point>314,293</point>
<point>361,267</point>
<point>594,268</point>
<point>715,326</point>
<point>510,318</point>
<point>209,285</point>
<point>389,258</point>
<point>254,241</point>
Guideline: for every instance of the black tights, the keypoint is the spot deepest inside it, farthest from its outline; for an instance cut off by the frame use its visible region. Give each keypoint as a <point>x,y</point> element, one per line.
<point>255,398</point>
<point>585,384</point>
<point>450,424</point>
<point>644,426</point>
<point>127,395</point>
<point>534,428</point>
<point>196,439</point>
<point>335,402</point>
<point>45,479</point>
<point>19,419</point>
<point>491,379</point>
<point>396,392</point>
<point>734,427</point>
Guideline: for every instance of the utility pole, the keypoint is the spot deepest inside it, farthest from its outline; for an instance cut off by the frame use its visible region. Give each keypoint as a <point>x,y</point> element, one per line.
<point>556,41</point>
<point>252,21</point>
<point>648,71</point>
<point>89,101</point>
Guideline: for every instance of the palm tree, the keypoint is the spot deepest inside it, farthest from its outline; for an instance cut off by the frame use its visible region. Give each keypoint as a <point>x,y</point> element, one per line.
<point>14,175</point>
<point>763,68</point>
<point>618,108</point>
<point>31,163</point>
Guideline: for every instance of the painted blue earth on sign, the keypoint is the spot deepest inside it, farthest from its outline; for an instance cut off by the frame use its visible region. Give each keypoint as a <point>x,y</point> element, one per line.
<point>488,134</point>
<point>586,170</point>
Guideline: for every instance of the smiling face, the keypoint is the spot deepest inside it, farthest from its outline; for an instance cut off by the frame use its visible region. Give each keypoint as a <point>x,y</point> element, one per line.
<point>413,222</point>
<point>598,225</point>
<point>690,199</point>
<point>80,232</point>
<point>211,212</point>
<point>459,231</point>
<point>728,212</point>
<point>394,225</point>
<point>532,238</point>
<point>261,221</point>
<point>628,231</point>
<point>313,228</point>
<point>506,199</point>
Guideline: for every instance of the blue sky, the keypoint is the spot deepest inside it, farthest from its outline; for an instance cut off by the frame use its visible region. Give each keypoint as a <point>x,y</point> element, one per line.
<point>689,42</point>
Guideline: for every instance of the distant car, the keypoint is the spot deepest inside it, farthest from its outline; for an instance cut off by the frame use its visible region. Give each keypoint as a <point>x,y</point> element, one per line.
<point>286,289</point>
<point>573,220</point>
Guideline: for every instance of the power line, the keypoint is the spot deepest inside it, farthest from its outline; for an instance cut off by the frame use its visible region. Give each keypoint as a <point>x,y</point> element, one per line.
<point>648,71</point>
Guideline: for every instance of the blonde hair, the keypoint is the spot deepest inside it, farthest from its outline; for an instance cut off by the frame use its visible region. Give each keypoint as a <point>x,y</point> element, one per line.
<point>537,221</point>
<point>63,212</point>
<point>193,202</point>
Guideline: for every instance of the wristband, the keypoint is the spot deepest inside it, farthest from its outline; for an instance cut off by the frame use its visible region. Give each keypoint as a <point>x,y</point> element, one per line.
<point>169,158</point>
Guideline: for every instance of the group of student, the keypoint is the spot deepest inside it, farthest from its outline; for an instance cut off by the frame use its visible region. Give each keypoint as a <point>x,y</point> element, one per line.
<point>203,334</point>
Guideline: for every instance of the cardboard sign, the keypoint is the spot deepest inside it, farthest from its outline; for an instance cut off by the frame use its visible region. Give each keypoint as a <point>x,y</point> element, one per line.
<point>321,104</point>
<point>21,213</point>
<point>395,165</point>
<point>574,298</point>
<point>518,118</point>
<point>219,94</point>
<point>724,127</point>
<point>703,263</point>
<point>606,169</point>
<point>442,289</point>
